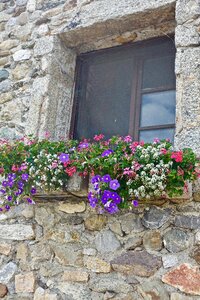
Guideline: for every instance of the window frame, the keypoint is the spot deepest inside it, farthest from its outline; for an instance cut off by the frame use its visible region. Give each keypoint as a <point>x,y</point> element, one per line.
<point>136,89</point>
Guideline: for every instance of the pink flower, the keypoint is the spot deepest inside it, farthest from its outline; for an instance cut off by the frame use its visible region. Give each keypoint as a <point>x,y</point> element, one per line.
<point>177,156</point>
<point>70,171</point>
<point>15,168</point>
<point>1,170</point>
<point>129,172</point>
<point>156,140</point>
<point>136,166</point>
<point>98,137</point>
<point>180,171</point>
<point>47,134</point>
<point>54,164</point>
<point>23,167</point>
<point>142,143</point>
<point>128,139</point>
<point>163,151</point>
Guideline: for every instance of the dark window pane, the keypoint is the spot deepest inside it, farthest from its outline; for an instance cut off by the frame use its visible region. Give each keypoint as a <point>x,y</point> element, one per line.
<point>149,135</point>
<point>105,105</point>
<point>158,72</point>
<point>158,108</point>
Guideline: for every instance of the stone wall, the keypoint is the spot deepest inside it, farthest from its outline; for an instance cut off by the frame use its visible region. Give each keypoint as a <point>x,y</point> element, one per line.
<point>64,250</point>
<point>39,42</point>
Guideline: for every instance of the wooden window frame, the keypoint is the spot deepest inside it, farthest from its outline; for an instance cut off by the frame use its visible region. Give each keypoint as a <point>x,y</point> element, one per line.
<point>136,90</point>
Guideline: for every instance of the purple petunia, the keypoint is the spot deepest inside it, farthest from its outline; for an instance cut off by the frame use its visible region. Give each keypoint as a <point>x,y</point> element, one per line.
<point>96,179</point>
<point>5,183</point>
<point>64,157</point>
<point>9,198</point>
<point>106,178</point>
<point>33,191</point>
<point>20,184</point>
<point>29,200</point>
<point>107,152</point>
<point>135,203</point>
<point>11,176</point>
<point>116,198</point>
<point>7,207</point>
<point>25,176</point>
<point>2,191</point>
<point>114,184</point>
<point>83,145</point>
<point>112,208</point>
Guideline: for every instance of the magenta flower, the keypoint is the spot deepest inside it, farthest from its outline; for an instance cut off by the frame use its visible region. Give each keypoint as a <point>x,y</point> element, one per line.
<point>64,157</point>
<point>114,184</point>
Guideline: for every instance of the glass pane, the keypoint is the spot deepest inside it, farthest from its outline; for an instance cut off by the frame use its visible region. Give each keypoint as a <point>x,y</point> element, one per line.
<point>150,135</point>
<point>105,103</point>
<point>158,72</point>
<point>158,108</point>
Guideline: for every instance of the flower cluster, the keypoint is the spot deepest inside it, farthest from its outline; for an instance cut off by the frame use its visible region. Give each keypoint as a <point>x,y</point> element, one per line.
<point>123,171</point>
<point>104,196</point>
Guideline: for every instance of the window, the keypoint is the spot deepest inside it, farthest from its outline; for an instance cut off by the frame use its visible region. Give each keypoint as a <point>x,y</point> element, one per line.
<point>126,90</point>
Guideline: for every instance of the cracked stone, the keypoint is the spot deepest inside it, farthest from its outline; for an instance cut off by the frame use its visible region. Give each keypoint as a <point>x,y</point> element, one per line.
<point>140,263</point>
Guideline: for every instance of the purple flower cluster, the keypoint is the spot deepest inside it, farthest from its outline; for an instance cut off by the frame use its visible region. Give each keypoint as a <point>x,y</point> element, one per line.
<point>13,186</point>
<point>107,152</point>
<point>105,195</point>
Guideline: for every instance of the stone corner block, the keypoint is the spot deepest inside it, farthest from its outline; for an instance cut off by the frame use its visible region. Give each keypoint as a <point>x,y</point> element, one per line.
<point>25,283</point>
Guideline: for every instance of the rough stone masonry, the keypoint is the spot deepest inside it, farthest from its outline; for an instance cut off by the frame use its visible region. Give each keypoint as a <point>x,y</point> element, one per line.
<point>63,250</point>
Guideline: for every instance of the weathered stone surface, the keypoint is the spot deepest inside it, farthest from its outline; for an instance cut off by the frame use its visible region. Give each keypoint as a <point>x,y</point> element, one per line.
<point>97,265</point>
<point>190,36</point>
<point>196,255</point>
<point>7,272</point>
<point>139,263</point>
<point>43,46</point>
<point>5,86</point>
<point>18,232</point>
<point>169,260</point>
<point>72,220</point>
<point>72,207</point>
<point>187,10</point>
<point>176,240</point>
<point>185,277</point>
<point>22,252</point>
<point>131,222</point>
<point>155,217</point>
<point>47,269</point>
<point>109,282</point>
<point>5,248</point>
<point>96,222</point>
<point>3,290</point>
<point>68,254</point>
<point>152,240</point>
<point>89,251</point>
<point>189,222</point>
<point>41,294</point>
<point>133,242</point>
<point>4,61</point>
<point>25,283</point>
<point>178,296</point>
<point>4,74</point>
<point>75,276</point>
<point>21,71</point>
<point>153,290</point>
<point>75,291</point>
<point>106,241</point>
<point>116,228</point>
<point>8,44</point>
<point>5,97</point>
<point>22,55</point>
<point>197,237</point>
